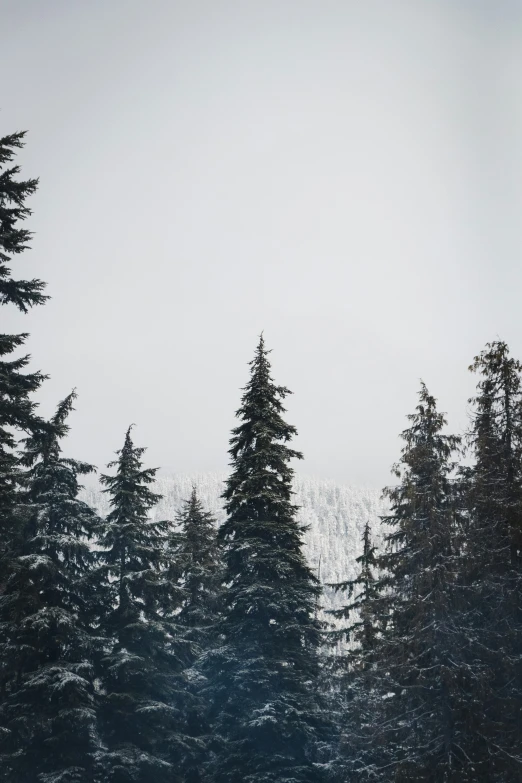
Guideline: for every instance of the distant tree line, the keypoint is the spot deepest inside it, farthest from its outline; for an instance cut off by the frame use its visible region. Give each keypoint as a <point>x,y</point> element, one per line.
<point>179,651</point>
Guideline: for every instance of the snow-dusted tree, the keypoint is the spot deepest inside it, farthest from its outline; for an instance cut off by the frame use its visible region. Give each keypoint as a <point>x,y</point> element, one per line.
<point>46,612</point>
<point>492,569</point>
<point>422,727</point>
<point>17,410</point>
<point>263,675</point>
<point>354,695</point>
<point>143,712</point>
<point>362,613</point>
<point>197,567</point>
<point>197,559</point>
<point>496,440</point>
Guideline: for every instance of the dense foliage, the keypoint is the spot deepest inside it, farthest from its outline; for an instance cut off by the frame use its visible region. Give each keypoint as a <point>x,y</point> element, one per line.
<point>143,684</point>
<point>263,673</point>
<point>135,649</point>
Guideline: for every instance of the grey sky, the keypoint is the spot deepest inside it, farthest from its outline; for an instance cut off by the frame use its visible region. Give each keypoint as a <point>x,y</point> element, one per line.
<point>344,175</point>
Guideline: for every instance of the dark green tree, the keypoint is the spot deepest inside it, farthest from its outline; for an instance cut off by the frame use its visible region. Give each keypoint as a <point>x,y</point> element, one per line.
<point>197,559</point>
<point>496,441</point>
<point>263,676</point>
<point>143,714</point>
<point>362,612</point>
<point>46,623</point>
<point>198,570</point>
<point>354,696</point>
<point>17,409</point>
<point>422,726</point>
<point>492,569</point>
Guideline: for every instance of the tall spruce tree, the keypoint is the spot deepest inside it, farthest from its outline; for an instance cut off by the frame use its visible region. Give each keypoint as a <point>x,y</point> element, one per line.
<point>423,725</point>
<point>263,676</point>
<point>496,441</point>
<point>197,568</point>
<point>46,624</point>
<point>17,409</point>
<point>492,584</point>
<point>144,710</point>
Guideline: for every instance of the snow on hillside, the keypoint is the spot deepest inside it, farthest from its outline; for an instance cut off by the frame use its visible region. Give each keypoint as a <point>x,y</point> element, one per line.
<point>335,514</point>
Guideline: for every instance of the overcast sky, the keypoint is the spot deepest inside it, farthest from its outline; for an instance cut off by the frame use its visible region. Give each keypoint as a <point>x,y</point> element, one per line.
<point>345,175</point>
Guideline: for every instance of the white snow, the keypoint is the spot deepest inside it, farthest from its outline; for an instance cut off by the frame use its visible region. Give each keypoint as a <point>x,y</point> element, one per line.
<point>335,514</point>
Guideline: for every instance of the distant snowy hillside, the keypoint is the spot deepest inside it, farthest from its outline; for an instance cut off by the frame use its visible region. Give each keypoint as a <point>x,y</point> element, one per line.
<point>335,514</point>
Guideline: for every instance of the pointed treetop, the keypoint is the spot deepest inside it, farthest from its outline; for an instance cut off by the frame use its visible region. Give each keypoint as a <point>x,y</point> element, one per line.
<point>495,355</point>
<point>424,437</point>
<point>424,393</point>
<point>45,440</point>
<point>129,457</point>
<point>128,443</point>
<point>426,410</point>
<point>500,371</point>
<point>261,414</point>
<point>64,408</point>
<point>261,352</point>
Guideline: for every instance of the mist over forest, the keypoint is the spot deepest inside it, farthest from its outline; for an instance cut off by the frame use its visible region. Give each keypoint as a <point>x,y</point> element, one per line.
<point>257,626</point>
<point>260,391</point>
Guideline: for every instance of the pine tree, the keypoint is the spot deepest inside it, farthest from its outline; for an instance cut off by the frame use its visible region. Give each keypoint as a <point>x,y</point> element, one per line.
<point>197,568</point>
<point>492,587</point>
<point>354,695</point>
<point>496,441</point>
<point>143,715</point>
<point>362,611</point>
<point>46,612</point>
<point>17,410</point>
<point>197,559</point>
<point>263,676</point>
<point>423,727</point>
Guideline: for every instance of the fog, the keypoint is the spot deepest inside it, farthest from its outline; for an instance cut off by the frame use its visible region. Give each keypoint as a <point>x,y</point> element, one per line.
<point>345,176</point>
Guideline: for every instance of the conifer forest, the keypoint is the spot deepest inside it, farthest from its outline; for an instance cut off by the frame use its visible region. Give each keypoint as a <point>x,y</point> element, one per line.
<point>140,650</point>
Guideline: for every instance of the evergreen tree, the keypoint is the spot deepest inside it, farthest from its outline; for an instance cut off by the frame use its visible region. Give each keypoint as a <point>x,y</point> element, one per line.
<point>423,724</point>
<point>355,697</point>
<point>17,410</point>
<point>263,676</point>
<point>492,587</point>
<point>46,612</point>
<point>198,570</point>
<point>143,715</point>
<point>496,441</point>
<point>197,560</point>
<point>362,611</point>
